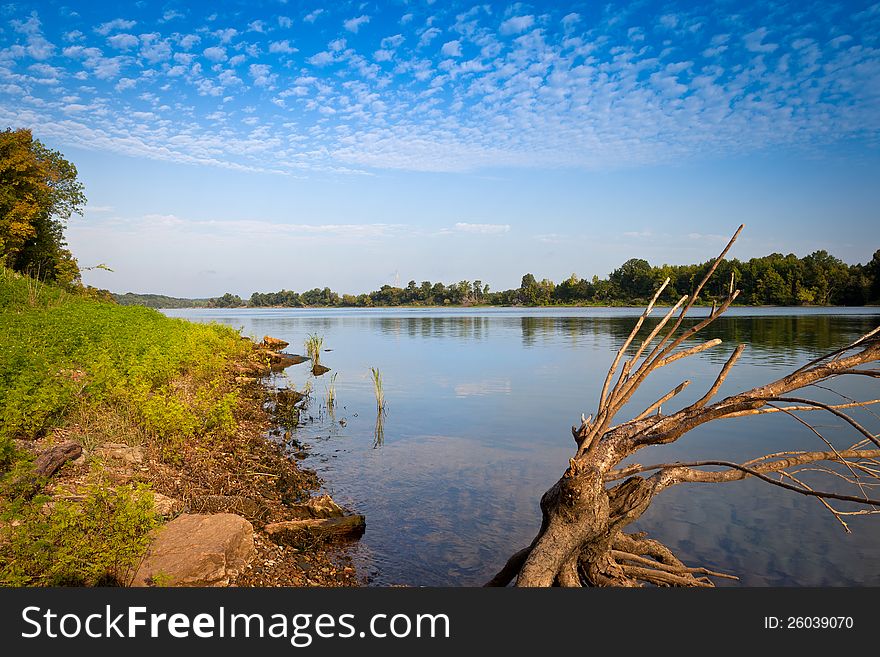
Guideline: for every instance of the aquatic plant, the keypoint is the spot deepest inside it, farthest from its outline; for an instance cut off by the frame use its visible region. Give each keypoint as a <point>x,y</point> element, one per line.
<point>378,388</point>
<point>331,392</point>
<point>379,430</point>
<point>314,344</point>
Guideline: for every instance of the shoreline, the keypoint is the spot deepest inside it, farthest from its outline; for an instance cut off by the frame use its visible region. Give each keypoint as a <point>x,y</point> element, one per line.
<point>131,473</point>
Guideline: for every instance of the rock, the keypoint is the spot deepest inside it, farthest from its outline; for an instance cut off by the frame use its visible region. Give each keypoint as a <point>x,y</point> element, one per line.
<point>285,397</point>
<point>318,369</point>
<point>245,380</point>
<point>198,550</point>
<point>274,344</point>
<point>279,360</point>
<point>318,507</point>
<point>120,452</point>
<point>165,506</point>
<point>306,532</point>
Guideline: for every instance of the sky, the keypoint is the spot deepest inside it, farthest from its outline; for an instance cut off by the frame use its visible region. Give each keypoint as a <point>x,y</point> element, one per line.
<point>258,146</point>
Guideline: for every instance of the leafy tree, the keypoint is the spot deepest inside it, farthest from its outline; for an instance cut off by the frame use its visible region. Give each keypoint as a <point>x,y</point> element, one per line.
<point>634,278</point>
<point>39,193</point>
<point>228,300</point>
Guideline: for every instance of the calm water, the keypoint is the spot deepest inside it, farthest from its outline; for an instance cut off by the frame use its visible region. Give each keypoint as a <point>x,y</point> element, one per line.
<point>477,427</point>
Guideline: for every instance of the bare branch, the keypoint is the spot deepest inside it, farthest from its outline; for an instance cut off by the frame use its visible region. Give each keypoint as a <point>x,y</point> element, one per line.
<point>791,459</point>
<point>688,352</point>
<point>628,341</point>
<point>674,473</point>
<point>858,427</point>
<point>721,375</point>
<point>779,409</point>
<point>665,398</point>
<point>824,502</point>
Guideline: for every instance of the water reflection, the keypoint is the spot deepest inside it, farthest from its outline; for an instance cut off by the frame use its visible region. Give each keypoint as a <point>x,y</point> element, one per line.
<point>482,405</point>
<point>379,430</point>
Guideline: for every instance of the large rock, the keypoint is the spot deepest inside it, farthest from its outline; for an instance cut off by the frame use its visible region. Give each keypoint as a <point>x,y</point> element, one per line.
<point>198,550</point>
<point>274,344</point>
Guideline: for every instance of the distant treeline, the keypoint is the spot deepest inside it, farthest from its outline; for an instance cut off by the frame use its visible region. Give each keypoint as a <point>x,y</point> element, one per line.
<point>817,279</point>
<point>160,301</point>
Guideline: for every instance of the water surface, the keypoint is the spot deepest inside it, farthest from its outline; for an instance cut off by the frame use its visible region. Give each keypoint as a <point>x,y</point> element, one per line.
<point>479,408</point>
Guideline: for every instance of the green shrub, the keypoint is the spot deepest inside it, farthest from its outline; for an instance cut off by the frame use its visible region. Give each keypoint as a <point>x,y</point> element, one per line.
<point>65,352</point>
<point>96,540</point>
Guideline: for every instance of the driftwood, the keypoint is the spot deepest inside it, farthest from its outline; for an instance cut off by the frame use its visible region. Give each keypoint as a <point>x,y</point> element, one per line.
<point>45,466</point>
<point>51,460</point>
<point>582,539</point>
<point>299,532</point>
<point>318,520</point>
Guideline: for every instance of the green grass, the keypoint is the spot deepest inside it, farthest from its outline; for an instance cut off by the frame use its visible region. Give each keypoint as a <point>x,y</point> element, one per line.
<point>378,388</point>
<point>331,391</point>
<point>62,354</point>
<point>314,344</point>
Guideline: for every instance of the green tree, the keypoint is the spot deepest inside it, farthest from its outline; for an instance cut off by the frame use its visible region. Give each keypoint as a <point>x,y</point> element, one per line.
<point>634,278</point>
<point>39,193</point>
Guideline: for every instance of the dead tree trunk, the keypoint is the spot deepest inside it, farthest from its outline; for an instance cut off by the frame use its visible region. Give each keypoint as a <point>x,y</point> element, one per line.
<point>583,539</point>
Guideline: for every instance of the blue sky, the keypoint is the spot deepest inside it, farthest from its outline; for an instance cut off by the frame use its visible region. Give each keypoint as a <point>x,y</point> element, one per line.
<point>241,146</point>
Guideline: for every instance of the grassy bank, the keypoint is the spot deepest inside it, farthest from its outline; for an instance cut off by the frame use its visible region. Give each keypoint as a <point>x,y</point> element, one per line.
<point>120,381</point>
<point>61,356</point>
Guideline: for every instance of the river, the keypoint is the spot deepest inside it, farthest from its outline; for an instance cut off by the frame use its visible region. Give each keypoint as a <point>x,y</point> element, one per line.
<point>479,405</point>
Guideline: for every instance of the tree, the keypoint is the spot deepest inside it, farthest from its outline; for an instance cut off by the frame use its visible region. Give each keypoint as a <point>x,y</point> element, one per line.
<point>528,290</point>
<point>634,278</point>
<point>228,300</point>
<point>39,193</point>
<point>582,539</point>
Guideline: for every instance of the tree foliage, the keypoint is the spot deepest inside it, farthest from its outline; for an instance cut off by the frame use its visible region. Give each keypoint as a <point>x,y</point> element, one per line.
<point>39,192</point>
<point>818,279</point>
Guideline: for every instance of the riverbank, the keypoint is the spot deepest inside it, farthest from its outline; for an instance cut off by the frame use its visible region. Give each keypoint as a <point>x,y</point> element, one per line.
<point>149,423</point>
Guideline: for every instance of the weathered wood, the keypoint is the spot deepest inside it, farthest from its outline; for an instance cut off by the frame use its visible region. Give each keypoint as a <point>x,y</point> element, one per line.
<point>581,541</point>
<point>51,460</point>
<point>298,532</point>
<point>46,464</point>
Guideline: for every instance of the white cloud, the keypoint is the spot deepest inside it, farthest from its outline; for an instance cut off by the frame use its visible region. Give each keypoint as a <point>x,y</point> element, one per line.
<point>123,41</point>
<point>754,41</point>
<point>451,48</point>
<point>262,75</point>
<point>392,42</point>
<point>428,36</point>
<point>313,16</point>
<point>187,41</point>
<point>282,47</point>
<point>517,24</point>
<point>38,46</point>
<point>226,35</point>
<point>171,15</point>
<point>570,20</point>
<point>354,24</point>
<point>215,53</point>
<point>256,26</point>
<point>321,59</point>
<point>482,229</point>
<point>284,21</point>
<point>117,24</point>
